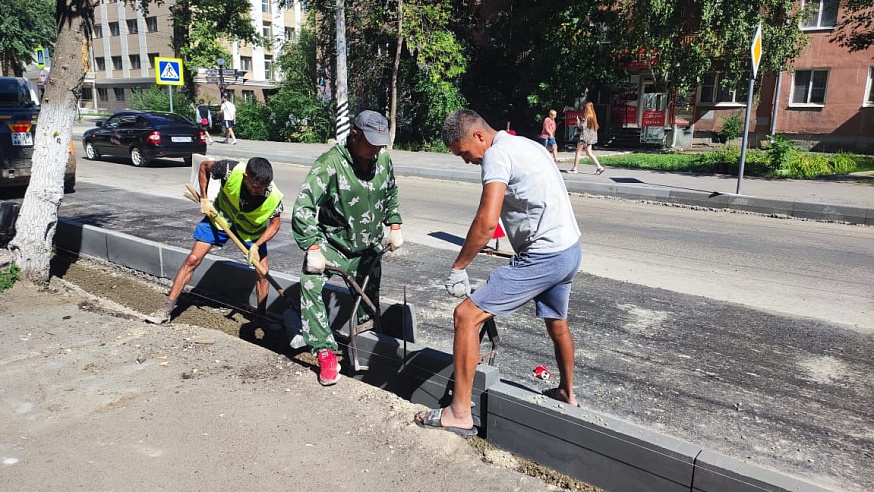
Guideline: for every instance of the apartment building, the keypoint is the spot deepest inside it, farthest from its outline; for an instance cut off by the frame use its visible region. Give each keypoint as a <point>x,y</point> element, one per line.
<point>126,43</point>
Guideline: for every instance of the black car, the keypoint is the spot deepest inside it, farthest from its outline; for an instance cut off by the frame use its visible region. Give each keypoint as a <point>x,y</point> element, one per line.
<point>19,113</point>
<point>144,136</point>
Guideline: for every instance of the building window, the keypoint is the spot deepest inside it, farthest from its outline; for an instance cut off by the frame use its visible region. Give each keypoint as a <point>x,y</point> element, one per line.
<point>113,28</point>
<point>267,30</point>
<point>132,26</point>
<point>98,31</point>
<point>101,63</point>
<point>152,24</point>
<point>823,14</point>
<point>116,62</point>
<point>87,94</point>
<point>713,91</point>
<point>246,63</point>
<point>268,67</point>
<point>808,86</point>
<point>289,34</point>
<point>249,96</point>
<point>119,93</point>
<point>152,57</point>
<point>103,94</point>
<point>869,90</point>
<point>265,5</point>
<point>135,61</point>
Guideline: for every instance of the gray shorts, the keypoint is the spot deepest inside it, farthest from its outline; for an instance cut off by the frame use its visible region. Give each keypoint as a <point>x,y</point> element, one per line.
<point>546,278</point>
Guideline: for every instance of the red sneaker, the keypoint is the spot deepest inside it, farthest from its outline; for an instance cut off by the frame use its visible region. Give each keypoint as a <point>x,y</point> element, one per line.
<point>329,368</point>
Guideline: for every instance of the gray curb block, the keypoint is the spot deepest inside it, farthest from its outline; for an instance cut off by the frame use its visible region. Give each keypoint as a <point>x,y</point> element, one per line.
<point>585,444</point>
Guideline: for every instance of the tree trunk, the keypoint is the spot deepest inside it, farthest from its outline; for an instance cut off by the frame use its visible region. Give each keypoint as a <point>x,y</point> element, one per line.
<point>394,74</point>
<point>35,229</point>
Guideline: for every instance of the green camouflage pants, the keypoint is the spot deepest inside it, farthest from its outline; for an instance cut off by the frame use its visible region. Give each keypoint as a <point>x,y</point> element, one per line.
<point>315,327</point>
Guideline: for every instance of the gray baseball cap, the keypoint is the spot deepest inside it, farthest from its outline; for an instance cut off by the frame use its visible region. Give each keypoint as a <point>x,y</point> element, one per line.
<point>374,126</point>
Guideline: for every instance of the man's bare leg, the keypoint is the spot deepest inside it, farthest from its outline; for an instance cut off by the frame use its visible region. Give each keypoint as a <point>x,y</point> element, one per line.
<point>465,357</point>
<point>192,261</point>
<point>262,287</point>
<point>563,341</point>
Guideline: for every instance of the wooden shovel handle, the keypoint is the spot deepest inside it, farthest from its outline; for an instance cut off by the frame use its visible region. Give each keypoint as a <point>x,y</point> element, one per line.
<point>223,225</point>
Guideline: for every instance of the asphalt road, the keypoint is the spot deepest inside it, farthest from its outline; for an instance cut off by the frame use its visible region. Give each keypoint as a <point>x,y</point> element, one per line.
<point>748,335</point>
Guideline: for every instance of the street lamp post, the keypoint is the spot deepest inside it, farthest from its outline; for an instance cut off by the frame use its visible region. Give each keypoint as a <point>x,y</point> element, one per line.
<point>221,65</point>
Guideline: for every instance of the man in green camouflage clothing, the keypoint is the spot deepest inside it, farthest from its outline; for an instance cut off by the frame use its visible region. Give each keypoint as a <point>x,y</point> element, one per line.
<point>344,203</point>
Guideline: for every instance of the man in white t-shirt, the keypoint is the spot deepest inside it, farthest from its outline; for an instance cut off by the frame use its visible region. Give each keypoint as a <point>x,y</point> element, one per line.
<point>229,114</point>
<point>527,192</point>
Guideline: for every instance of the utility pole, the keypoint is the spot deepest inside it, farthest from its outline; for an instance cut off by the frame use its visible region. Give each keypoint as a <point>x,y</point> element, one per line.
<point>342,92</point>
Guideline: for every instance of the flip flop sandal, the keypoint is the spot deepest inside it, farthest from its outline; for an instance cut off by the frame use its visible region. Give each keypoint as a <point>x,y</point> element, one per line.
<point>431,420</point>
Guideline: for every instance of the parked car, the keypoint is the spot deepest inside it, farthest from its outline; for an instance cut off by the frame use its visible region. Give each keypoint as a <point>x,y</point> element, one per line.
<point>19,112</point>
<point>144,136</point>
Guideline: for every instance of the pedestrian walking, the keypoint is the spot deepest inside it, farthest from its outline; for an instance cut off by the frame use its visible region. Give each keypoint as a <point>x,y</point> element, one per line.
<point>229,113</point>
<point>547,134</point>
<point>203,116</point>
<point>588,128</point>
<point>534,207</point>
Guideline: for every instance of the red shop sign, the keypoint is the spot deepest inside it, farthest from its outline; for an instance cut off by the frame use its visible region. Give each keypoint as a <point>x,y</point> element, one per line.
<point>653,117</point>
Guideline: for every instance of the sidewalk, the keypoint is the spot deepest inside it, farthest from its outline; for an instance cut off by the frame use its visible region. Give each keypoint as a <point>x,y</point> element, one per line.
<point>847,198</point>
<point>94,400</point>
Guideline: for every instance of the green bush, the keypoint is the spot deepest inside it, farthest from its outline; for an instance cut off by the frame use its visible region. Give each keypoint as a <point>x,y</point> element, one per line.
<point>843,163</point>
<point>8,276</point>
<point>732,127</point>
<point>155,98</point>
<point>781,152</point>
<point>780,160</point>
<point>253,121</point>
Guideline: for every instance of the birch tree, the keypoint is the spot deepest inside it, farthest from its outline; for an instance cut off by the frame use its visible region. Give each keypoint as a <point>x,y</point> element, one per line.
<point>38,219</point>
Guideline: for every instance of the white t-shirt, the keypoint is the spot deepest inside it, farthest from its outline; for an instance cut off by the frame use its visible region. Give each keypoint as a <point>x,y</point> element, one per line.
<point>536,212</point>
<point>229,111</point>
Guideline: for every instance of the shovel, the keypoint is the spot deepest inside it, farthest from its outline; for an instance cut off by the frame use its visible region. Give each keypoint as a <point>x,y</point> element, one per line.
<point>194,196</point>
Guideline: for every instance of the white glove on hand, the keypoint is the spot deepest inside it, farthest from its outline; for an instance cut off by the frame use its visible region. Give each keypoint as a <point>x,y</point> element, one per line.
<point>458,284</point>
<point>315,262</point>
<point>394,240</point>
<point>206,208</point>
<point>253,258</point>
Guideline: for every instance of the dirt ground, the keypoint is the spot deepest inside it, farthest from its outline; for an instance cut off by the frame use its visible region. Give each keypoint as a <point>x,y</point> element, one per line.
<point>129,294</point>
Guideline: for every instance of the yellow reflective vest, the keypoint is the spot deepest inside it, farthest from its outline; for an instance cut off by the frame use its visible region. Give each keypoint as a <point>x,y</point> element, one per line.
<point>248,225</point>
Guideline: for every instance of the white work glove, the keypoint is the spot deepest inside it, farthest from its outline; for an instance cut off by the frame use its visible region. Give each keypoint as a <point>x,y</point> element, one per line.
<point>458,284</point>
<point>206,207</point>
<point>253,257</point>
<point>314,262</point>
<point>394,240</point>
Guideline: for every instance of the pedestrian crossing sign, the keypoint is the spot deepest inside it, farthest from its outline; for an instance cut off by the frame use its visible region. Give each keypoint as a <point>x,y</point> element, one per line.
<point>169,71</point>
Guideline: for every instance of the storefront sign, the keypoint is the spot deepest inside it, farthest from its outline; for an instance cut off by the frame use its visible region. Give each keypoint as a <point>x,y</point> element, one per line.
<point>653,117</point>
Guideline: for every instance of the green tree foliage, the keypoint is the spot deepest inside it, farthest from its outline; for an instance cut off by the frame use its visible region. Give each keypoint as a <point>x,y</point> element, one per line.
<point>855,29</point>
<point>199,26</point>
<point>297,112</point>
<point>24,25</point>
<point>694,37</point>
<point>431,66</point>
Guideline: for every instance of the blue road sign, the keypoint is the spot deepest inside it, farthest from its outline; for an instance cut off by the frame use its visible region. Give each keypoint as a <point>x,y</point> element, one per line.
<point>169,71</point>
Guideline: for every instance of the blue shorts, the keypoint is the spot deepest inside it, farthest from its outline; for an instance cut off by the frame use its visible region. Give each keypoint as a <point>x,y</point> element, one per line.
<point>548,142</point>
<point>546,278</point>
<point>229,123</point>
<point>206,232</point>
